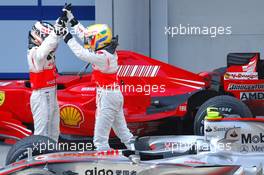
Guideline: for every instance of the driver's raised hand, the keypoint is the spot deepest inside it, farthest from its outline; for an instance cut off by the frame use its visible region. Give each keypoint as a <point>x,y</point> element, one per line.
<point>60,27</point>
<point>68,10</point>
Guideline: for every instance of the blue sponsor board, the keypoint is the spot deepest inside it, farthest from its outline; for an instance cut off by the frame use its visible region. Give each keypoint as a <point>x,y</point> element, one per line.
<point>14,76</point>
<point>17,18</point>
<point>43,12</point>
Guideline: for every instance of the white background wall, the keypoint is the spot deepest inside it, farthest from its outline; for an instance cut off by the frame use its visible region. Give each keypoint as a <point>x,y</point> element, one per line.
<point>136,20</point>
<point>199,53</point>
<point>129,19</point>
<point>140,25</point>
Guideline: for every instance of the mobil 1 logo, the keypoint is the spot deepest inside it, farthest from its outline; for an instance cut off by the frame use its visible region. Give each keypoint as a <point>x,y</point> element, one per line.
<point>244,96</point>
<point>254,142</point>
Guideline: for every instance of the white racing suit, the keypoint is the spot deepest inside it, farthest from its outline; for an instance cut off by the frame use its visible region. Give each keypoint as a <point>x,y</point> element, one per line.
<point>43,100</point>
<point>109,99</point>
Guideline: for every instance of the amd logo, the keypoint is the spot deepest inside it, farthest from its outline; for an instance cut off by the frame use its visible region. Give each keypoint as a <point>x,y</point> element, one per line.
<point>248,138</point>
<point>251,96</point>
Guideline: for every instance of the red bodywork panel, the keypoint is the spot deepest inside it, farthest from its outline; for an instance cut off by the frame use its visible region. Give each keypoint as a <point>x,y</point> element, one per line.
<point>246,83</point>
<point>160,91</point>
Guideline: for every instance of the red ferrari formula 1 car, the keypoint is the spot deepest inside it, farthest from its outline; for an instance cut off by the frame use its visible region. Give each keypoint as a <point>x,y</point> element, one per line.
<point>154,92</point>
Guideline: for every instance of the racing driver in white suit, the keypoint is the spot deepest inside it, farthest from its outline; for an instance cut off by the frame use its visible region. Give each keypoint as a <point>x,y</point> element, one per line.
<point>109,99</point>
<point>43,41</point>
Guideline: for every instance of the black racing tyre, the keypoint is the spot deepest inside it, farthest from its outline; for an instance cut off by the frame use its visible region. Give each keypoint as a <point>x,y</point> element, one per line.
<point>226,104</point>
<point>39,145</point>
<point>34,171</point>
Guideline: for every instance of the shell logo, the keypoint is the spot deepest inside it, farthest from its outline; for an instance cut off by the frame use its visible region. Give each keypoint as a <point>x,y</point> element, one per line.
<point>2,97</point>
<point>71,116</point>
<point>227,76</point>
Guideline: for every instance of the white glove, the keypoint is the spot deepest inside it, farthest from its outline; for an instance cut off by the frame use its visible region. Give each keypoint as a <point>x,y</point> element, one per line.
<point>60,28</point>
<point>67,9</point>
<point>71,19</point>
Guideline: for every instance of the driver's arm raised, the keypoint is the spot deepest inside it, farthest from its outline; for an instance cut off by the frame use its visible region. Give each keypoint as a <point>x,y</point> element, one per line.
<point>85,54</point>
<point>48,45</point>
<point>79,30</point>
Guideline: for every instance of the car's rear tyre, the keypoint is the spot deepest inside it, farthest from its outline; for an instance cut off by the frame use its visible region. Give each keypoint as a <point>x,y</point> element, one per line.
<point>226,104</point>
<point>34,171</point>
<point>19,150</point>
